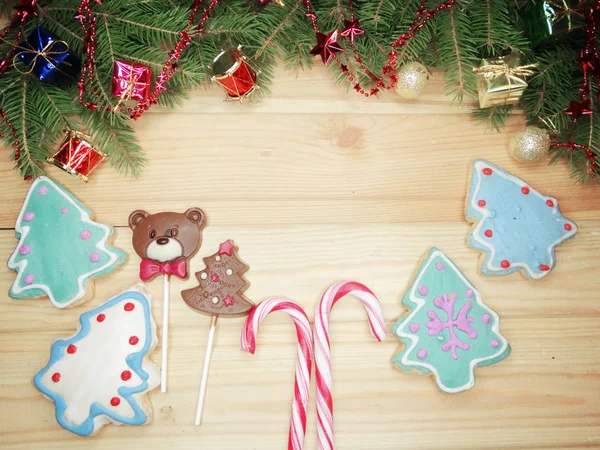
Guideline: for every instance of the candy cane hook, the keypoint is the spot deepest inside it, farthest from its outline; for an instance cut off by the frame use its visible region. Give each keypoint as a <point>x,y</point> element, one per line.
<point>303,364</point>
<point>323,350</point>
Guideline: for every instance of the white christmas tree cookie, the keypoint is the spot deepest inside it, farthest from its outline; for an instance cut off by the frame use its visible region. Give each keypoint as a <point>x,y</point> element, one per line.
<point>102,374</point>
<point>60,248</point>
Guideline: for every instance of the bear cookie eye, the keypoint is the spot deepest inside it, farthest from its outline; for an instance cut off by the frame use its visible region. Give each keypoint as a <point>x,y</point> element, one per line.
<point>174,232</point>
<point>152,234</point>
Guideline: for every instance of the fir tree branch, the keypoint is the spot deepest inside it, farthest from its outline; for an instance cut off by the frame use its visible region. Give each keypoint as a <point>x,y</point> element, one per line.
<point>109,40</point>
<point>277,29</point>
<point>459,66</point>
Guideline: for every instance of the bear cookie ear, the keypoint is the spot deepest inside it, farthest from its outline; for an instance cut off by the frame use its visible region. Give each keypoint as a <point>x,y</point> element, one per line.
<point>136,217</point>
<point>196,215</point>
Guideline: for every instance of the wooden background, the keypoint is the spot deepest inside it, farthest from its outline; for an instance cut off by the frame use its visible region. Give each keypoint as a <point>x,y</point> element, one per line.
<point>317,185</point>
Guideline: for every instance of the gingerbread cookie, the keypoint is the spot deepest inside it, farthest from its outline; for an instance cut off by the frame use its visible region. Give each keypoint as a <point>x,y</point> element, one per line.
<point>60,248</point>
<point>102,374</point>
<point>515,227</point>
<point>448,331</point>
<point>221,285</point>
<point>166,241</point>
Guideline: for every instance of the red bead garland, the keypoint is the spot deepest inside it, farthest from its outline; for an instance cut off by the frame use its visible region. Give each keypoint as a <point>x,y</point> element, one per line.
<point>88,23</point>
<point>24,9</point>
<point>424,15</point>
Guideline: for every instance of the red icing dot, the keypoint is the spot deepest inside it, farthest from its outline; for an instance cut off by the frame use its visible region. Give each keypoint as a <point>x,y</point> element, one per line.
<point>505,264</point>
<point>481,203</point>
<point>101,317</point>
<point>115,401</point>
<point>568,226</point>
<point>56,377</point>
<point>128,307</point>
<point>487,171</point>
<point>125,375</point>
<point>134,340</point>
<point>544,267</point>
<point>71,349</point>
<point>550,203</point>
<point>525,190</point>
<point>488,233</point>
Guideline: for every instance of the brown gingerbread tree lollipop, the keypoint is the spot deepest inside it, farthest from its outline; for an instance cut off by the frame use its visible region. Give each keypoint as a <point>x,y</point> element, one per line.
<point>221,285</point>
<point>220,293</point>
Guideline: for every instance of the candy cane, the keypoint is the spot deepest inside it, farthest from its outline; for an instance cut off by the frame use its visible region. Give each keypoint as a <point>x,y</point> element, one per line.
<point>323,350</point>
<point>303,364</point>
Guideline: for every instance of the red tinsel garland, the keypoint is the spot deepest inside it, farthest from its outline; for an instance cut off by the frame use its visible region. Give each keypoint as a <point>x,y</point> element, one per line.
<point>327,45</point>
<point>88,23</point>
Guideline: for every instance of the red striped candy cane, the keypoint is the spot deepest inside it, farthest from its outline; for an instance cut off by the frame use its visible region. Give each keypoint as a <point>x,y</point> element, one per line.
<point>323,351</point>
<point>303,364</point>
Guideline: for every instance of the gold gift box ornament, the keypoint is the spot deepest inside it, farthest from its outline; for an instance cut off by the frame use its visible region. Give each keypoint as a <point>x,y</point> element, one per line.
<point>501,80</point>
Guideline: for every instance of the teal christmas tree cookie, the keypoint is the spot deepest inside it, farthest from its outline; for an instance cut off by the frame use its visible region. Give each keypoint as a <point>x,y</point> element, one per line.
<point>449,331</point>
<point>60,248</point>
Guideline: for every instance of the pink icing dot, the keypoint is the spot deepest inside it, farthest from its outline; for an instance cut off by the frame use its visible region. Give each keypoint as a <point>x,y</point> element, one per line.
<point>94,257</point>
<point>85,235</point>
<point>439,266</point>
<point>423,290</point>
<point>414,327</point>
<point>28,216</point>
<point>28,279</point>
<point>485,318</point>
<point>469,293</point>
<point>422,354</point>
<point>64,210</point>
<point>495,343</point>
<point>24,249</point>
<point>43,190</point>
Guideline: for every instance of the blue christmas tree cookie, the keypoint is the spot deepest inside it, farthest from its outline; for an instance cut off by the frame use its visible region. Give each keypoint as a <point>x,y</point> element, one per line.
<point>515,226</point>
<point>60,248</point>
<point>101,374</point>
<point>449,331</point>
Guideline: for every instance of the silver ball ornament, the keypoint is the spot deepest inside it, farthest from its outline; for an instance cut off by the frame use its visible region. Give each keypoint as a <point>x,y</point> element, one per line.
<point>413,79</point>
<point>529,144</point>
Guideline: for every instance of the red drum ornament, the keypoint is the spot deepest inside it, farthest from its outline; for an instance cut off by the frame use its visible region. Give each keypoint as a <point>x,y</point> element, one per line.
<point>232,72</point>
<point>77,156</point>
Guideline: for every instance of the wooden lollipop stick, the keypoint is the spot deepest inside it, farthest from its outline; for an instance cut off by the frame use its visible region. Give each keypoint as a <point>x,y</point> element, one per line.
<point>207,355</point>
<point>165,332</point>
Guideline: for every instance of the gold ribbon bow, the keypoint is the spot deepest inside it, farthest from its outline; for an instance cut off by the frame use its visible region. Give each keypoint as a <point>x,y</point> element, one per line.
<point>48,53</point>
<point>490,70</point>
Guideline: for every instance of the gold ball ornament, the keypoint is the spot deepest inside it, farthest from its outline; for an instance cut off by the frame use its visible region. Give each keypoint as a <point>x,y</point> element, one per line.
<point>529,144</point>
<point>413,78</point>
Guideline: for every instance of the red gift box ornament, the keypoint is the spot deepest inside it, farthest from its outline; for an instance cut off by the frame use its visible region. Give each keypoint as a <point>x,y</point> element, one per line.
<point>131,81</point>
<point>77,156</point>
<point>232,72</point>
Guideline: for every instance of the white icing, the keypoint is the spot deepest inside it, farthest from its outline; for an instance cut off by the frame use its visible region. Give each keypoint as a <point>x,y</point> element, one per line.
<point>479,166</point>
<point>93,373</point>
<point>166,252</point>
<point>21,266</point>
<point>204,275</point>
<point>414,339</point>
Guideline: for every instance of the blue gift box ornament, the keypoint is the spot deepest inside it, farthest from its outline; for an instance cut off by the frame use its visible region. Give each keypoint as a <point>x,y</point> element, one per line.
<point>49,58</point>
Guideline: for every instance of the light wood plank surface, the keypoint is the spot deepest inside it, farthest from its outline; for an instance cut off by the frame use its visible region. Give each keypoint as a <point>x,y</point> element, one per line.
<point>317,185</point>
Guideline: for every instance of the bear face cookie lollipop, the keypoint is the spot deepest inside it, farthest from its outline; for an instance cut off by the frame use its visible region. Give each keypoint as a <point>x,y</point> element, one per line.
<point>166,241</point>
<point>220,293</point>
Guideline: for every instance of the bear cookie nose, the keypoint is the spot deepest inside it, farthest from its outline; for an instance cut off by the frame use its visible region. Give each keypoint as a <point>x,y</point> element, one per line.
<point>162,241</point>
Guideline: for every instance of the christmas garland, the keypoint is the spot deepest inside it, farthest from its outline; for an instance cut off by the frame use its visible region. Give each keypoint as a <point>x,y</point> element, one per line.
<point>81,66</point>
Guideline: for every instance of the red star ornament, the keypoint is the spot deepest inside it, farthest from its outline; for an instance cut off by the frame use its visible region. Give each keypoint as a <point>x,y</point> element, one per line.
<point>352,29</point>
<point>226,248</point>
<point>326,46</point>
<point>578,109</point>
<point>26,7</point>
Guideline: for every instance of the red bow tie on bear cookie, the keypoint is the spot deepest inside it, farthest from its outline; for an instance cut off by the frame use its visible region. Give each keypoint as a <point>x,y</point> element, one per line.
<point>149,269</point>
